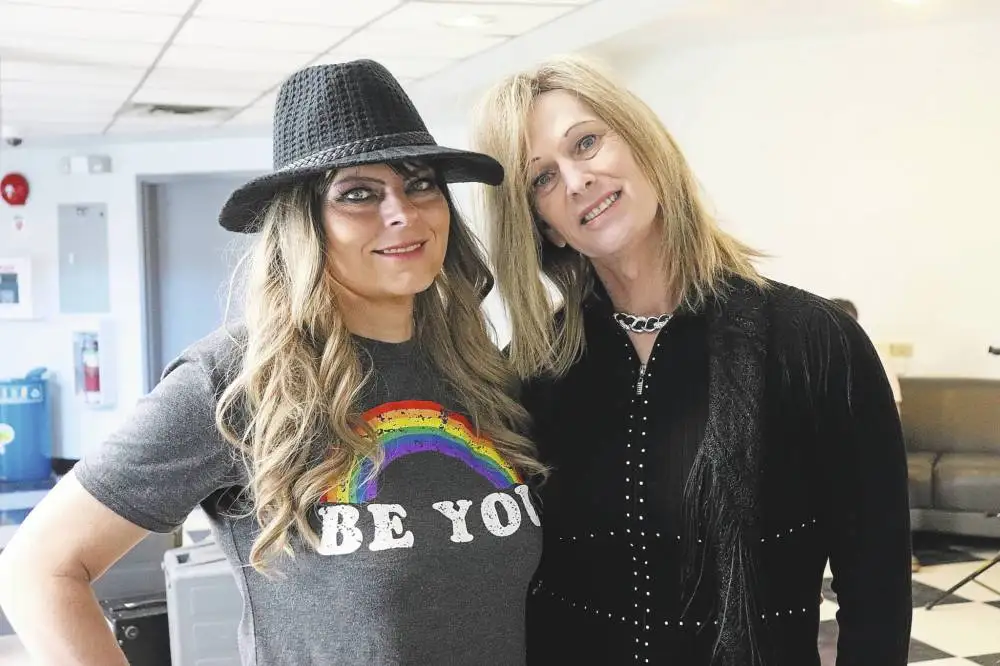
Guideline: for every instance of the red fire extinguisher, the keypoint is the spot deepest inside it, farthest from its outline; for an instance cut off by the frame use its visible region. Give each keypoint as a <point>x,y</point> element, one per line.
<point>91,372</point>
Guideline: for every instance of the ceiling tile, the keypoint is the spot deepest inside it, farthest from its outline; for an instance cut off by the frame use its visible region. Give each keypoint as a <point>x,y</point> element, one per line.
<point>268,100</point>
<point>264,124</point>
<point>55,49</point>
<point>433,44</point>
<point>169,7</point>
<point>488,19</point>
<point>165,121</point>
<point>22,70</point>
<point>59,113</point>
<point>253,35</point>
<point>21,20</point>
<point>43,104</point>
<point>254,115</point>
<point>401,67</point>
<point>234,59</point>
<point>190,77</point>
<point>265,105</point>
<point>194,97</point>
<point>309,12</point>
<point>66,92</point>
<point>516,2</point>
<point>133,124</point>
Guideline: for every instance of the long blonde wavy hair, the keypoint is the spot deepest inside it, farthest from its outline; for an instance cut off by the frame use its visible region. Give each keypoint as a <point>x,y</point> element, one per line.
<point>291,410</point>
<point>698,254</point>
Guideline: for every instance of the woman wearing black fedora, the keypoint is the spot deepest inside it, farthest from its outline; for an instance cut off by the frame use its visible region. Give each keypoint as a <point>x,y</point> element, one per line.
<point>354,442</point>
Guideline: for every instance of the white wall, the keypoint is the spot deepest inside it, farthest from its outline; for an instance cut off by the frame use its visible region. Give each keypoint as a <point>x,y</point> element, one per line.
<point>47,340</point>
<point>868,165</point>
<point>863,163</point>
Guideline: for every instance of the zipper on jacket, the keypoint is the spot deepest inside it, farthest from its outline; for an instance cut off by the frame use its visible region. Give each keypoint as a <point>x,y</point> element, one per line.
<point>642,379</point>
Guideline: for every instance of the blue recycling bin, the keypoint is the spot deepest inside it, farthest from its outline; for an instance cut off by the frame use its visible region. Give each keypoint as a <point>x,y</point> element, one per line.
<point>25,428</point>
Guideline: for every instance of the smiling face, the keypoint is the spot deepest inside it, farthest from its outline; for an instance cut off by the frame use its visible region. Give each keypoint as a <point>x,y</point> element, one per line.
<point>585,183</point>
<point>386,229</point>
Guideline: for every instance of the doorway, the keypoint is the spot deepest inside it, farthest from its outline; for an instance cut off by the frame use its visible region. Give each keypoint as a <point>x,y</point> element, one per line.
<point>189,261</point>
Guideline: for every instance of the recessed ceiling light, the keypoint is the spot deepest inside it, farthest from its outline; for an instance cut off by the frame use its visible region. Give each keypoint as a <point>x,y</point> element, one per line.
<point>908,2</point>
<point>468,21</point>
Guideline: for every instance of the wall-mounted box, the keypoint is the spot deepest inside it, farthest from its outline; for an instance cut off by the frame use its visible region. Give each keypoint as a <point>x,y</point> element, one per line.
<point>84,282</point>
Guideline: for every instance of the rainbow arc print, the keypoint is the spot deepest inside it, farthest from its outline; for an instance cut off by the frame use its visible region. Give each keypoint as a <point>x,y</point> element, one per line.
<point>413,426</point>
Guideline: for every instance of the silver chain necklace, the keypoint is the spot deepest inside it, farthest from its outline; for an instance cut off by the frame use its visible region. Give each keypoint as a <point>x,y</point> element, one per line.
<point>638,324</point>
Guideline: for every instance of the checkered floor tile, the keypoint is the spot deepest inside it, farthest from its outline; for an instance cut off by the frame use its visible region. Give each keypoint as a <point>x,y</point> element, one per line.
<point>963,630</point>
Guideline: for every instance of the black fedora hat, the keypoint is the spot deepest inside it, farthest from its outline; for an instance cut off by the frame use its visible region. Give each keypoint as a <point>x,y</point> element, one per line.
<point>347,114</point>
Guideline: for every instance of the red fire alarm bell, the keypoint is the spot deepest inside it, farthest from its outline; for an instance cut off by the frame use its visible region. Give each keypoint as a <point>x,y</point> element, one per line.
<point>14,189</point>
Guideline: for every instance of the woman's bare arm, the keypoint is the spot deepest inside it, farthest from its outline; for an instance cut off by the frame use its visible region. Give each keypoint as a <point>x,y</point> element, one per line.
<point>66,543</point>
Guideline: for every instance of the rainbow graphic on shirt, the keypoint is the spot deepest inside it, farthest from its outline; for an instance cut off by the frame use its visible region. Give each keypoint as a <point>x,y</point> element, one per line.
<point>413,426</point>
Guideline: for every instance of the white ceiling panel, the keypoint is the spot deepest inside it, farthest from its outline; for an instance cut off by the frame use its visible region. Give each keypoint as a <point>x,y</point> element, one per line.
<point>14,90</point>
<point>82,51</point>
<point>254,115</point>
<point>42,104</point>
<point>165,120</point>
<point>489,19</point>
<point>169,7</point>
<point>21,20</point>
<point>308,12</point>
<point>260,109</point>
<point>517,2</point>
<point>194,96</point>
<point>246,121</point>
<point>20,70</point>
<point>175,77</point>
<point>234,60</point>
<point>49,114</point>
<point>20,121</point>
<point>267,101</point>
<point>401,67</point>
<point>373,43</point>
<point>142,125</point>
<point>253,35</point>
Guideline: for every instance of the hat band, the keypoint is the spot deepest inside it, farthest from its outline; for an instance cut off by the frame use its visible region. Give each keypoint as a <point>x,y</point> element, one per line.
<point>360,146</point>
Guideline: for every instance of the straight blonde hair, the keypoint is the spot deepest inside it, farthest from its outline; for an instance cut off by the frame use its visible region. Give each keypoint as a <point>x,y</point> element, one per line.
<point>700,257</point>
<point>291,410</point>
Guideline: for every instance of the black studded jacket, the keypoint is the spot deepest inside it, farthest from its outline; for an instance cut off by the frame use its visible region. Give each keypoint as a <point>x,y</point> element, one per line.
<point>694,502</point>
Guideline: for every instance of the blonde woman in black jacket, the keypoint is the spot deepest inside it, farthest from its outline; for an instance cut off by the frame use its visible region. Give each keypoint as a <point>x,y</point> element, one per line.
<point>714,437</point>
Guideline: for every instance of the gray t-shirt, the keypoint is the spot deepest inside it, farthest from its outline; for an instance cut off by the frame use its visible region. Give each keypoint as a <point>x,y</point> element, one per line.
<point>426,564</point>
